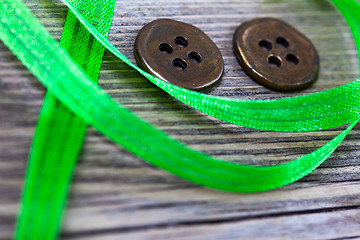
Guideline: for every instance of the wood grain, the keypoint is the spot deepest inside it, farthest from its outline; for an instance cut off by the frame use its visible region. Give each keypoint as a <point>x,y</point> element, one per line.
<point>115,195</point>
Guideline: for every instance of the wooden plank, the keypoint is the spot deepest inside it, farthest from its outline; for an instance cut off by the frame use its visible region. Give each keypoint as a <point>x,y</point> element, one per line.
<point>117,196</point>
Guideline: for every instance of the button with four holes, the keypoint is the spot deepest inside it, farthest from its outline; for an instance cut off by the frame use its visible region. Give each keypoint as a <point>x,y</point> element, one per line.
<point>179,53</point>
<point>275,54</point>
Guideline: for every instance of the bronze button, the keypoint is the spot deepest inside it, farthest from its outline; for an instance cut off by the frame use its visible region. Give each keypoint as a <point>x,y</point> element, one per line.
<point>275,54</point>
<point>179,53</point>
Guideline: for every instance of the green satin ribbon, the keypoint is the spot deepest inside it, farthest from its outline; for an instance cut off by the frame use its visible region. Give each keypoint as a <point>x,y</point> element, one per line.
<point>27,38</point>
<point>52,160</point>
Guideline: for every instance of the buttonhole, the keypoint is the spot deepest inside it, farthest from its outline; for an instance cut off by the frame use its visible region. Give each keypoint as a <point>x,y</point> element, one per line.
<point>273,60</point>
<point>179,64</point>
<point>291,58</point>
<point>194,57</point>
<point>181,41</point>
<point>283,42</point>
<point>165,48</point>
<point>265,44</point>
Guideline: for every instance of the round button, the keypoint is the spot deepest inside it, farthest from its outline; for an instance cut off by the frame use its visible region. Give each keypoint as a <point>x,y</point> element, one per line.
<point>179,53</point>
<point>275,54</point>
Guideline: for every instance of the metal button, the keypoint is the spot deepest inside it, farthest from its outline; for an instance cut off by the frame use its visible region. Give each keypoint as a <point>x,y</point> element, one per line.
<point>179,53</point>
<point>275,54</point>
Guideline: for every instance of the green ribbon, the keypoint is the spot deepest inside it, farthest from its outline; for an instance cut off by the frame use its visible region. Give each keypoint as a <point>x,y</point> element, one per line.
<point>28,39</point>
<point>52,160</point>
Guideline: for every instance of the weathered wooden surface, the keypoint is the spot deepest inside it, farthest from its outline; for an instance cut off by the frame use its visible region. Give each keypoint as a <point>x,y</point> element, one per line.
<point>117,196</point>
